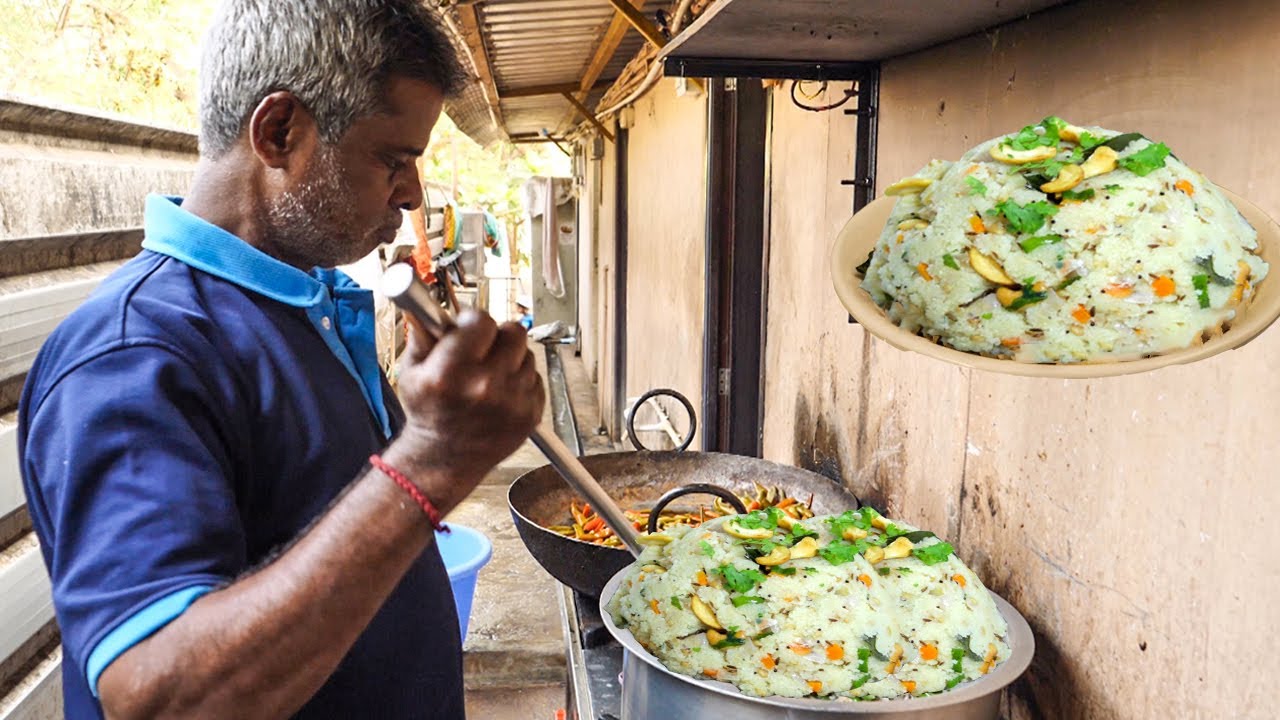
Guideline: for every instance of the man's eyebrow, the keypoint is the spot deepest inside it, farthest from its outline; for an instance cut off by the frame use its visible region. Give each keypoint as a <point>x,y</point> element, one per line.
<point>407,150</point>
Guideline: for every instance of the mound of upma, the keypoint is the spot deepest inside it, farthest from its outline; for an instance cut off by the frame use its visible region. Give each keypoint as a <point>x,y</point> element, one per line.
<point>853,606</point>
<point>1063,244</point>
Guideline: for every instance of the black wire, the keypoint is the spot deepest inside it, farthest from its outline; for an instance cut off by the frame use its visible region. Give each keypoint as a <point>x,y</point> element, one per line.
<point>849,94</point>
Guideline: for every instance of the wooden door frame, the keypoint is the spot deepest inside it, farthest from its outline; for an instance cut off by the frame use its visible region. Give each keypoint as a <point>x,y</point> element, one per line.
<point>739,117</point>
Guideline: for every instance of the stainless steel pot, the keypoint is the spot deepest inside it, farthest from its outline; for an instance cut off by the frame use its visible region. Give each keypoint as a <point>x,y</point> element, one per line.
<point>651,692</point>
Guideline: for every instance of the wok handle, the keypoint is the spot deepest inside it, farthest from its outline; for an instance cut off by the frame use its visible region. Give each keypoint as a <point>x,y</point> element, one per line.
<point>401,285</point>
<point>694,489</point>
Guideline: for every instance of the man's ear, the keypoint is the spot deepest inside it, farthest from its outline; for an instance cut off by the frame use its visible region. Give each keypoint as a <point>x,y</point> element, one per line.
<point>279,128</point>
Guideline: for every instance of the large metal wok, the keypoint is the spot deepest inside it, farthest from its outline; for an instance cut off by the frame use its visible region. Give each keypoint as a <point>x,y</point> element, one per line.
<point>540,498</point>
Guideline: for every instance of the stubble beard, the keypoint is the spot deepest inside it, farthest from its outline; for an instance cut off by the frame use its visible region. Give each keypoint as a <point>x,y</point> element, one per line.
<point>315,224</point>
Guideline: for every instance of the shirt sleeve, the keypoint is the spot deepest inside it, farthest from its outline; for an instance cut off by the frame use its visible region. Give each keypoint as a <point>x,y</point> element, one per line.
<point>130,480</point>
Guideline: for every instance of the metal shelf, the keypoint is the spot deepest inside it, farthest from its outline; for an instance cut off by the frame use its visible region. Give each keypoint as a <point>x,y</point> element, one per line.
<point>834,31</point>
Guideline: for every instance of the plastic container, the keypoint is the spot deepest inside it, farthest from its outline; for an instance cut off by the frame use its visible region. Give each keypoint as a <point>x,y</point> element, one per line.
<point>465,551</point>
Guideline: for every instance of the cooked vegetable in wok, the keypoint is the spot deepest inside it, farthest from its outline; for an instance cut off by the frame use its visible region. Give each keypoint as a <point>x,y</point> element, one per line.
<point>586,525</point>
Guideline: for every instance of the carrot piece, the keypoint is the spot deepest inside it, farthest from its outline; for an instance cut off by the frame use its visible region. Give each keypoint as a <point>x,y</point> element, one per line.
<point>768,662</point>
<point>971,169</point>
<point>711,672</point>
<point>815,686</point>
<point>1081,314</point>
<point>702,578</point>
<point>901,236</point>
<point>755,505</point>
<point>594,525</point>
<point>959,579</point>
<point>976,224</point>
<point>923,269</point>
<point>865,579</point>
<point>1185,186</point>
<point>909,685</point>
<point>653,605</point>
<point>835,651</point>
<point>799,649</point>
<point>786,503</point>
<point>1118,291</point>
<point>1163,286</point>
<point>1011,342</point>
<point>928,652</point>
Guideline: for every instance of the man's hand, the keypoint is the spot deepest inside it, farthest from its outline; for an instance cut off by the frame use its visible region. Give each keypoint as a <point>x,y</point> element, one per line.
<point>471,398</point>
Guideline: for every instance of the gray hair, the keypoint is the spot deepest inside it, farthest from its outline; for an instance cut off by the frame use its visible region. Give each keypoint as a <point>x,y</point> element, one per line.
<point>336,56</point>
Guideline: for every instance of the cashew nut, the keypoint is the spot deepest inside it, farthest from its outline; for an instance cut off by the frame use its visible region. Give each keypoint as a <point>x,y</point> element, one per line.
<point>806,548</point>
<point>853,533</point>
<point>874,554</point>
<point>715,637</point>
<point>653,539</point>
<point>908,186</point>
<point>988,268</point>
<point>738,531</point>
<point>1009,156</point>
<point>785,521</point>
<point>704,613</point>
<point>1070,133</point>
<point>777,556</point>
<point>899,548</point>
<point>655,569</point>
<point>1007,296</point>
<point>913,224</point>
<point>879,522</point>
<point>1103,160</point>
<point>1068,177</point>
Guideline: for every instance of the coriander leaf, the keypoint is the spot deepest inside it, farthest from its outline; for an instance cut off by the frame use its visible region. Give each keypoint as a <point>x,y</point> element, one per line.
<point>957,657</point>
<point>987,316</point>
<point>1053,127</point>
<point>1088,140</point>
<point>800,532</point>
<point>883,571</point>
<point>1145,161</point>
<point>1036,241</point>
<point>933,554</point>
<point>740,581</point>
<point>846,520</point>
<point>864,658</point>
<point>1027,218</point>
<point>894,531</point>
<point>950,262</point>
<point>741,600</point>
<point>841,552</point>
<point>1201,283</point>
<point>1081,195</point>
<point>766,518</point>
<point>975,186</point>
<point>707,549</point>
<point>783,571</point>
<point>904,570</point>
<point>1112,188</point>
<point>1077,156</point>
<point>675,601</point>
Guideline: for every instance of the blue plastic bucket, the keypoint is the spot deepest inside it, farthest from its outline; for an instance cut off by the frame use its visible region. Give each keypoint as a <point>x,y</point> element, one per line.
<point>465,551</point>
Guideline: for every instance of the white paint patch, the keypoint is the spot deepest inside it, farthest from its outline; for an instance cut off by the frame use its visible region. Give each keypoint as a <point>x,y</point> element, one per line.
<point>973,450</point>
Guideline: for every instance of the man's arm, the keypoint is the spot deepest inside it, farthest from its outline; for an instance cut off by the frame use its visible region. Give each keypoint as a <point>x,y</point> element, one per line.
<point>264,645</point>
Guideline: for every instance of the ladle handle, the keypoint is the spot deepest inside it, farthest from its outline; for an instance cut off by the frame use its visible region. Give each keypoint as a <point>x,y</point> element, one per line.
<point>401,285</point>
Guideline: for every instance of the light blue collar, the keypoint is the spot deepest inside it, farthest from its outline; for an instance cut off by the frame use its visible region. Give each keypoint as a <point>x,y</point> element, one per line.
<point>339,309</point>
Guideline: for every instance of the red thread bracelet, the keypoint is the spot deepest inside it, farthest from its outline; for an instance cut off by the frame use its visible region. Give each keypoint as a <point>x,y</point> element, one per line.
<point>396,476</point>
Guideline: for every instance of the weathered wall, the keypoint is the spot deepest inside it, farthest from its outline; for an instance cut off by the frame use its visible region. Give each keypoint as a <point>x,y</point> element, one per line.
<point>71,199</point>
<point>1127,518</point>
<point>602,313</point>
<point>667,201</point>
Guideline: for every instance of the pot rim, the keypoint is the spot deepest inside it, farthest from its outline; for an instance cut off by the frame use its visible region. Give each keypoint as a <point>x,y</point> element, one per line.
<point>1022,647</point>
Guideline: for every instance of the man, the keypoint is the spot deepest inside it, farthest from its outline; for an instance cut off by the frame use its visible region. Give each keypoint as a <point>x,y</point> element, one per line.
<point>194,438</point>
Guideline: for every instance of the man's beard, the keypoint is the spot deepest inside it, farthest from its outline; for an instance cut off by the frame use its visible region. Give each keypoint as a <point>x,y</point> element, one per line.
<point>315,224</point>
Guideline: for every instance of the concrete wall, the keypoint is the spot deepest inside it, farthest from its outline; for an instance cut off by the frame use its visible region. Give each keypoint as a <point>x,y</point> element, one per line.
<point>667,207</point>
<point>1129,519</point>
<point>71,198</point>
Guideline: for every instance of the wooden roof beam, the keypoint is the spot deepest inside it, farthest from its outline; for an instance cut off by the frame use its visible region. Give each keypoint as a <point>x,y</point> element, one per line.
<point>536,90</point>
<point>590,116</point>
<point>605,51</point>
<point>474,39</point>
<point>640,22</point>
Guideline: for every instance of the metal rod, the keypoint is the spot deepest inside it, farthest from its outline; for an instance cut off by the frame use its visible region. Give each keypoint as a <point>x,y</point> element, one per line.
<point>401,285</point>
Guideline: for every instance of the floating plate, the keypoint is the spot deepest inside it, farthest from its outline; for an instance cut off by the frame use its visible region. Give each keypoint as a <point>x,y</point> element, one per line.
<point>859,236</point>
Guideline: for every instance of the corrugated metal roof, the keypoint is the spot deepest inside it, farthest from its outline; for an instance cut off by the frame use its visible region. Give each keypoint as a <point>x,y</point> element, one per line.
<point>534,43</point>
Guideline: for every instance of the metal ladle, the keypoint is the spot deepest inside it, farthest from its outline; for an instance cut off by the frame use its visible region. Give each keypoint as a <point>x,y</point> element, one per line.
<point>401,285</point>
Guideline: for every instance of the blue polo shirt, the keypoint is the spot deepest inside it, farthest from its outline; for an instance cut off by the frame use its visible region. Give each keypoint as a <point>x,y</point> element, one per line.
<point>199,411</point>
